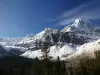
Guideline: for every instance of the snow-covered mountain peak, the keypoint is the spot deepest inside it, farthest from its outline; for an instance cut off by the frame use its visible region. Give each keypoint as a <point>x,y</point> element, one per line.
<point>44,35</point>
<point>82,23</point>
<point>78,24</point>
<point>46,31</point>
<point>30,35</point>
<point>63,43</point>
<point>50,30</point>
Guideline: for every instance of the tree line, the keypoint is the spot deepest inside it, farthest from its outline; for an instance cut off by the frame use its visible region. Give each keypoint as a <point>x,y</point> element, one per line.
<point>16,65</point>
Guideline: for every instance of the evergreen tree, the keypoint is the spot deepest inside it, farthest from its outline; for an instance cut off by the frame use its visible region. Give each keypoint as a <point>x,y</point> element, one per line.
<point>64,68</point>
<point>22,71</point>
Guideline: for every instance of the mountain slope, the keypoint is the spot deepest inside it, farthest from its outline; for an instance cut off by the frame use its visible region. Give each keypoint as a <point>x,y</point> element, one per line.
<point>54,52</point>
<point>62,43</point>
<point>79,32</point>
<point>83,29</point>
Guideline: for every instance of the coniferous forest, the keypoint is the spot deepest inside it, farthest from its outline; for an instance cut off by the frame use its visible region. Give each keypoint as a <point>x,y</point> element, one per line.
<point>16,65</point>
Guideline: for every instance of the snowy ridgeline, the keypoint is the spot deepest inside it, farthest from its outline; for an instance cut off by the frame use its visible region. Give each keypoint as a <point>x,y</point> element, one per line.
<point>77,39</point>
<point>67,52</point>
<point>54,52</point>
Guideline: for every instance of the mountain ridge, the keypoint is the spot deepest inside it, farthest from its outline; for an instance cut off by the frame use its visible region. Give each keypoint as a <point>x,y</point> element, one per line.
<point>67,40</point>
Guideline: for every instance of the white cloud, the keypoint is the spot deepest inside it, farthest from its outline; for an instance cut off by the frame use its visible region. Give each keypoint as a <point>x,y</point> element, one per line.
<point>89,11</point>
<point>65,21</point>
<point>73,11</point>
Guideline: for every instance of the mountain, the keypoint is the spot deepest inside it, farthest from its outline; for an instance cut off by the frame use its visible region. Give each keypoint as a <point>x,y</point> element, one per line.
<point>64,43</point>
<point>53,36</point>
<point>3,51</point>
<point>54,52</point>
<point>9,41</point>
<point>49,34</point>
<point>79,32</point>
<point>9,51</point>
<point>72,38</point>
<point>86,50</point>
<point>83,29</point>
<point>79,25</point>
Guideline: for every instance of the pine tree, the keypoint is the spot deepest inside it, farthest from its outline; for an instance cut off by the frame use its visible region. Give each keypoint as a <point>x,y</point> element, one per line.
<point>58,67</point>
<point>22,71</point>
<point>10,71</point>
<point>64,68</point>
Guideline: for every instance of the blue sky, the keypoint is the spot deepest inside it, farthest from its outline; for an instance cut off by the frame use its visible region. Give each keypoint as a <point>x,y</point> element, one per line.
<point>22,17</point>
